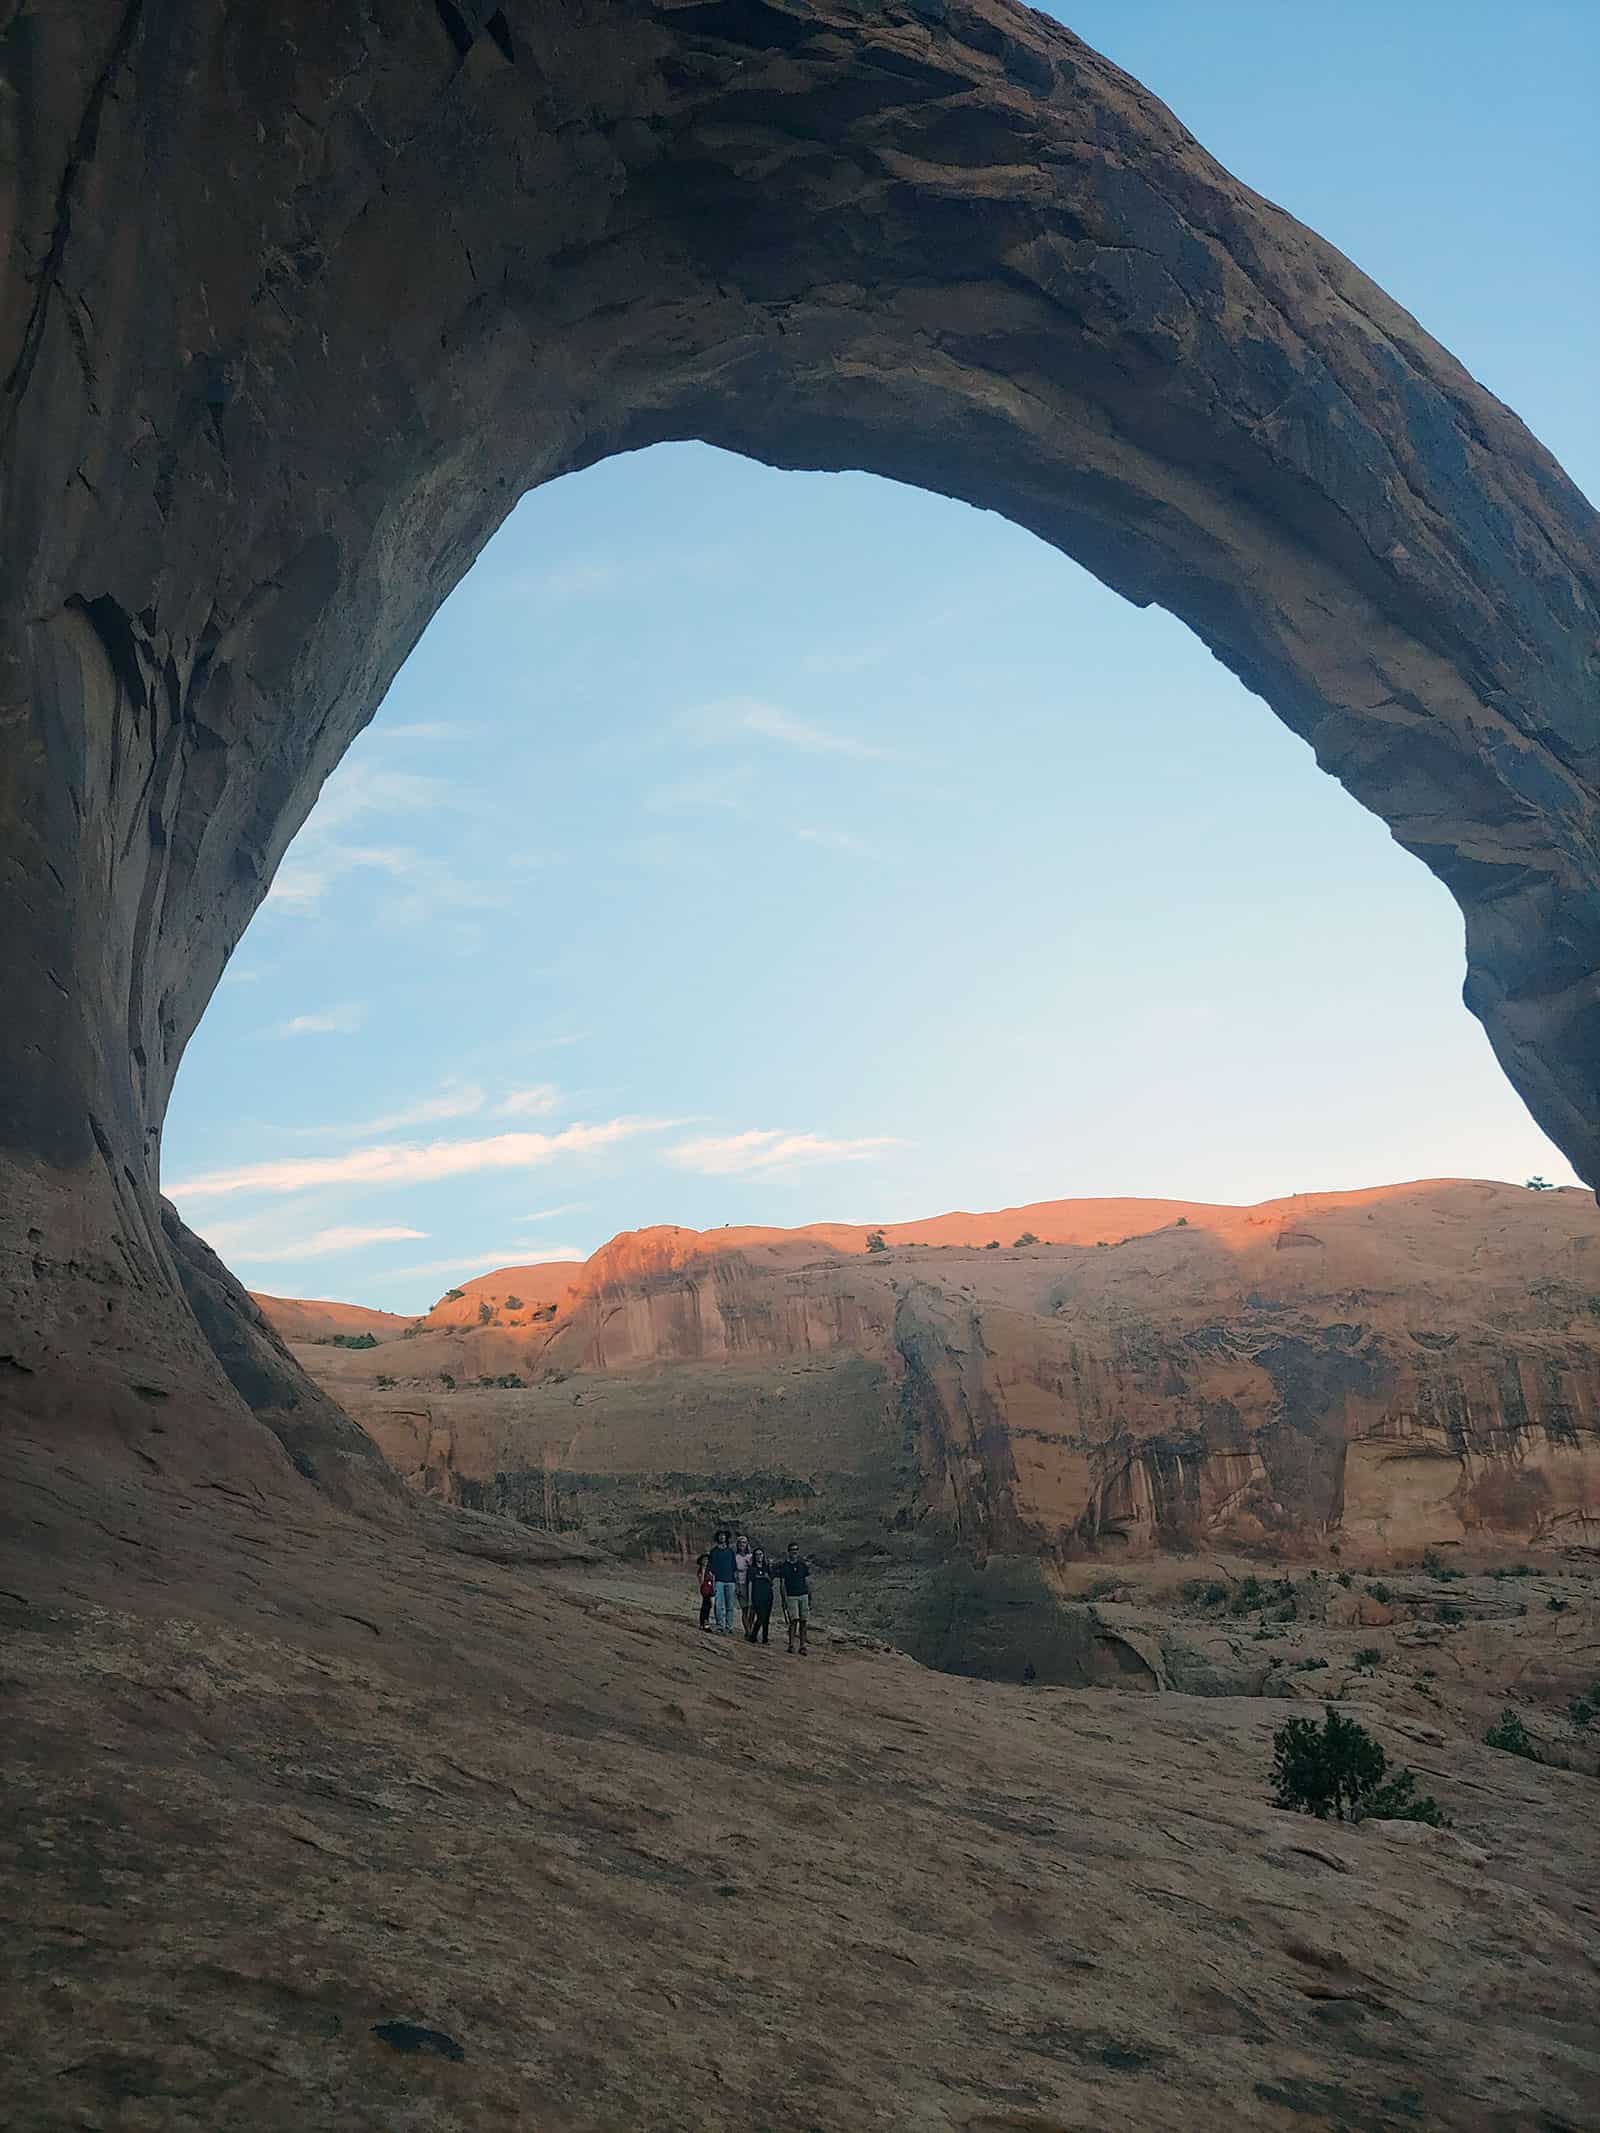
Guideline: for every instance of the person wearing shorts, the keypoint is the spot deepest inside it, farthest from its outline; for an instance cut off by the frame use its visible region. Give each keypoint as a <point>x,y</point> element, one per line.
<point>794,1582</point>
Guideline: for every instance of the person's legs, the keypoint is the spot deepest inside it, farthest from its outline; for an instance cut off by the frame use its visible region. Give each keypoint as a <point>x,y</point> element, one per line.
<point>705,1610</point>
<point>763,1627</point>
<point>725,1609</point>
<point>788,1619</point>
<point>802,1609</point>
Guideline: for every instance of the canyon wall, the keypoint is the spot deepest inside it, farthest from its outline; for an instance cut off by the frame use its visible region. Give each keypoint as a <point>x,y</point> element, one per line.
<point>1382,1371</point>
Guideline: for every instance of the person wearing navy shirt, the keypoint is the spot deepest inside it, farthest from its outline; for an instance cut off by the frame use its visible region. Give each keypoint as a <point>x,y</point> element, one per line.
<point>725,1578</point>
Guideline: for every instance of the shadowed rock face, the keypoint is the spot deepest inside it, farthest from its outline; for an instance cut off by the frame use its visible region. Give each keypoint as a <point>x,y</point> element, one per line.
<point>299,300</point>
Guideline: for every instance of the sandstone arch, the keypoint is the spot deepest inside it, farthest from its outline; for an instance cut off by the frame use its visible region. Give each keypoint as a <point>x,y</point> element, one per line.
<point>299,299</point>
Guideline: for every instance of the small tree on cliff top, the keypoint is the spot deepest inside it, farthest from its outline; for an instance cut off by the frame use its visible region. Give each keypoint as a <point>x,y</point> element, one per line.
<point>875,1241</point>
<point>1539,1185</point>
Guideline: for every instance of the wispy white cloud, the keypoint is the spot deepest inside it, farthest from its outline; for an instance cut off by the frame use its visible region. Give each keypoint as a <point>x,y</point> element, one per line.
<point>309,871</point>
<point>321,1244</point>
<point>553,1214</point>
<point>465,1264</point>
<point>329,1021</point>
<point>358,789</point>
<point>847,659</point>
<point>837,840</point>
<point>536,1102</point>
<point>240,977</point>
<point>739,718</point>
<point>420,729</point>
<point>726,789</point>
<point>324,853</point>
<point>768,1150</point>
<point>396,1163</point>
<point>580,579</point>
<point>454,1100</point>
<point>599,576</point>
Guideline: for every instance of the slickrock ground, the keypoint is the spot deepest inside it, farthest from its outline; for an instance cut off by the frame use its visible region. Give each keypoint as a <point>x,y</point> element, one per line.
<point>272,1786</point>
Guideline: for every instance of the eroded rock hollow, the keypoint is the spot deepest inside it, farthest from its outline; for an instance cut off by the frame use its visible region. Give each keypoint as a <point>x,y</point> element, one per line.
<point>298,300</point>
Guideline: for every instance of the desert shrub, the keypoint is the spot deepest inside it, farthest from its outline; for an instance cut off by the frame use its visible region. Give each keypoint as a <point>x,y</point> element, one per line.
<point>1100,1244</point>
<point>510,1382</point>
<point>1206,1592</point>
<point>512,1303</point>
<point>1581,1711</point>
<point>1381,1593</point>
<point>1509,1734</point>
<point>1369,1656</point>
<point>485,1313</point>
<point>384,1380</point>
<point>993,1245</point>
<point>1027,1237</point>
<point>452,1296</point>
<point>1555,1605</point>
<point>875,1241</point>
<point>447,1381</point>
<point>351,1340</point>
<point>1344,1579</point>
<point>1447,1611</point>
<point>409,1333</point>
<point>1537,1184</point>
<point>1182,1222</point>
<point>1246,1595</point>
<point>1309,1666</point>
<point>1338,1768</point>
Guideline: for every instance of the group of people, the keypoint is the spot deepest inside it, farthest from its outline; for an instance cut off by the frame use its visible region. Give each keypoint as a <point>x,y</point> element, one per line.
<point>738,1579</point>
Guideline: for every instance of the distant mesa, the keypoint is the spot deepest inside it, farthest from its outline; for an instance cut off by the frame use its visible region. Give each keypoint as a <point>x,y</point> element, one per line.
<point>1384,1370</point>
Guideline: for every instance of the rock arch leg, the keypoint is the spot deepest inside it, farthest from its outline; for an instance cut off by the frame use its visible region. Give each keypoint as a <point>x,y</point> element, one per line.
<point>300,299</point>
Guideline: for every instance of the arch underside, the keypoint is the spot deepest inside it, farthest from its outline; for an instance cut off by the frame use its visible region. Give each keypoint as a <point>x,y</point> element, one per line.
<point>299,306</point>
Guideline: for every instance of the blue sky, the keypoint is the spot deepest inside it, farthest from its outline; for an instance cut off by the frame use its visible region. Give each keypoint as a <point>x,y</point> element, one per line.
<point>758,847</point>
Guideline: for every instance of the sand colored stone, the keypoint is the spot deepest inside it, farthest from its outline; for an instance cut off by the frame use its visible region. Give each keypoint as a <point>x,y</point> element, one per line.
<point>1403,1367</point>
<point>276,1781</point>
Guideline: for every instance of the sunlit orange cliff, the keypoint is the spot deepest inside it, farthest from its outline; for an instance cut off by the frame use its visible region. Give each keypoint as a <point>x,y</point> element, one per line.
<point>1377,1371</point>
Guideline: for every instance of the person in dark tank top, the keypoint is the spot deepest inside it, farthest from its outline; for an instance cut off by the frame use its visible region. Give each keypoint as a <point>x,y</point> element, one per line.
<point>761,1594</point>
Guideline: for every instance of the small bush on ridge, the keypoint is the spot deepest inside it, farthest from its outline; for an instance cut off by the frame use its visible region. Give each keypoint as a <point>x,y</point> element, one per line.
<point>1509,1734</point>
<point>1338,1768</point>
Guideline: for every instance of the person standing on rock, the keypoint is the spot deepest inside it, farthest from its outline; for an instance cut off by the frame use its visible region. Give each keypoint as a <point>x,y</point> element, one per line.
<point>759,1619</point>
<point>741,1565</point>
<point>794,1573</point>
<point>724,1578</point>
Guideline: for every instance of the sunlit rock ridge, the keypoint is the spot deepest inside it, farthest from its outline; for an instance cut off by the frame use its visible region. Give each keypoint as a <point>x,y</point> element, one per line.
<point>1381,1371</point>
